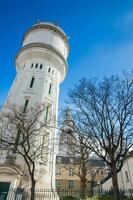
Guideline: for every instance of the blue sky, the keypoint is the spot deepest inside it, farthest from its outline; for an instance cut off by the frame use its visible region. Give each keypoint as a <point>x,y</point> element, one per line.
<point>100,31</point>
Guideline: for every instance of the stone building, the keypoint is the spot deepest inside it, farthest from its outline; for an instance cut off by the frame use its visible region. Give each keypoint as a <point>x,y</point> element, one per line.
<point>41,66</point>
<point>125,176</point>
<point>66,179</point>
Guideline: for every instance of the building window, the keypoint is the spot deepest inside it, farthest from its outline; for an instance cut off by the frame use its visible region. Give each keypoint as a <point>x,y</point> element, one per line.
<point>17,140</point>
<point>71,184</point>
<point>47,112</point>
<point>41,66</point>
<point>58,183</point>
<point>52,72</point>
<point>45,145</point>
<point>126,176</point>
<point>32,81</point>
<point>49,69</point>
<point>32,65</point>
<point>101,172</point>
<point>58,171</point>
<point>36,65</point>
<point>92,172</point>
<point>26,105</point>
<point>71,172</point>
<point>71,160</point>
<point>50,88</point>
<point>59,159</point>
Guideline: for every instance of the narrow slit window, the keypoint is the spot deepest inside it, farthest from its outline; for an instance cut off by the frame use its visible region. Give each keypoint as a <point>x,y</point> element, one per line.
<point>17,140</point>
<point>50,88</point>
<point>47,113</point>
<point>26,105</point>
<point>32,65</point>
<point>49,69</point>
<point>126,176</point>
<point>45,143</point>
<point>32,82</point>
<point>37,65</point>
<point>41,66</point>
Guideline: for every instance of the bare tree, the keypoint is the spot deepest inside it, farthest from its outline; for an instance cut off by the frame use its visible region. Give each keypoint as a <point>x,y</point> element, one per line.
<point>74,144</point>
<point>103,110</point>
<point>24,133</point>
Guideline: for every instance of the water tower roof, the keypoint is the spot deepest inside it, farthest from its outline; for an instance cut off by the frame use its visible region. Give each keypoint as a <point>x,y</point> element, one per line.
<point>48,25</point>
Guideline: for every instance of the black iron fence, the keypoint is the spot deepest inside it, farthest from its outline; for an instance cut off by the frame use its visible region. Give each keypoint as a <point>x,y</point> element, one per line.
<point>64,194</point>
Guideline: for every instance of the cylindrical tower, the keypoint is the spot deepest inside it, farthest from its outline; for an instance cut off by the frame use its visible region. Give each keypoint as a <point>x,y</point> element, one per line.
<point>41,66</point>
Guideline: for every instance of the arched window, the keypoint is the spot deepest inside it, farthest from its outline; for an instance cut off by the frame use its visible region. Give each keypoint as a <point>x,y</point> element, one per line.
<point>50,88</point>
<point>32,82</point>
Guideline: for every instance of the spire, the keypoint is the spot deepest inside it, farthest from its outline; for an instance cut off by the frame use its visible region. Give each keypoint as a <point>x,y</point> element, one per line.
<point>68,118</point>
<point>68,114</point>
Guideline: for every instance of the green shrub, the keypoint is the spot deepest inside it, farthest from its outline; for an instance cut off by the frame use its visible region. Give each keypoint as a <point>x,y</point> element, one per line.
<point>110,196</point>
<point>107,197</point>
<point>69,198</point>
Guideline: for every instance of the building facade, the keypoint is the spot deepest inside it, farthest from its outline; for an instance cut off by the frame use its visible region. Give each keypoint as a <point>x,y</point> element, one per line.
<point>66,179</point>
<point>41,66</point>
<point>125,176</point>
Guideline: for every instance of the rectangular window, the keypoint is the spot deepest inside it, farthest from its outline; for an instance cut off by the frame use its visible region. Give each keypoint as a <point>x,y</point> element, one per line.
<point>32,81</point>
<point>41,66</point>
<point>31,65</point>
<point>17,140</point>
<point>25,105</point>
<point>36,65</point>
<point>71,172</point>
<point>58,171</point>
<point>101,172</point>
<point>50,88</point>
<point>47,113</point>
<point>58,183</point>
<point>71,184</point>
<point>45,145</point>
<point>126,176</point>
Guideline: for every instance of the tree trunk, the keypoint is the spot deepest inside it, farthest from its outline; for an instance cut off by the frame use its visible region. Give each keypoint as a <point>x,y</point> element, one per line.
<point>115,186</point>
<point>32,189</point>
<point>83,188</point>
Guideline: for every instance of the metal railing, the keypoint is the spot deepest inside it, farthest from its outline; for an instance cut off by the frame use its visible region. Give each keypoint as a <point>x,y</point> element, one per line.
<point>63,194</point>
